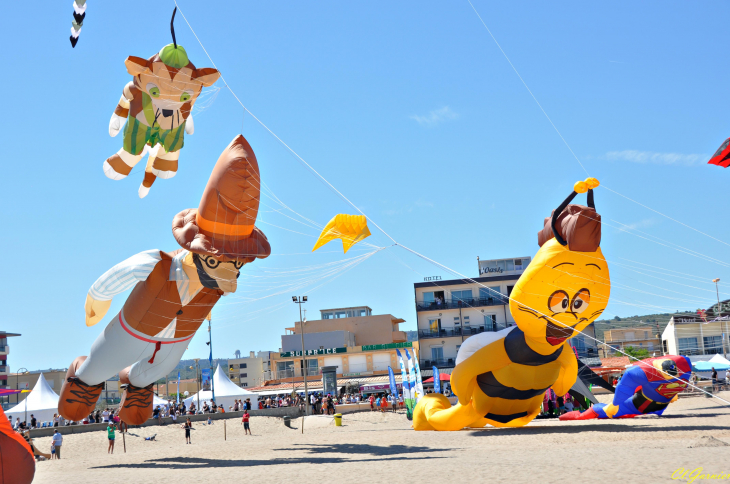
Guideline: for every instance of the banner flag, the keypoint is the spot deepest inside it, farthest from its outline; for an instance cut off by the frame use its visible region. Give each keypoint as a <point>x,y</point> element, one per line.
<point>393,387</point>
<point>419,381</point>
<point>436,380</point>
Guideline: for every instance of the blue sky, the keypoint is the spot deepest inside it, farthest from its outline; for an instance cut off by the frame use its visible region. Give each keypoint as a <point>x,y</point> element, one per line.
<point>409,109</point>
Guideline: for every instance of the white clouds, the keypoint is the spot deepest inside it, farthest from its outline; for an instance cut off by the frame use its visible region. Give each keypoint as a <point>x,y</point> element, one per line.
<point>652,157</point>
<point>435,117</point>
<point>636,225</point>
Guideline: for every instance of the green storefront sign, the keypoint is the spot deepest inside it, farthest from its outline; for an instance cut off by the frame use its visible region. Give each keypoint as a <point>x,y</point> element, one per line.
<point>326,351</point>
<point>388,346</point>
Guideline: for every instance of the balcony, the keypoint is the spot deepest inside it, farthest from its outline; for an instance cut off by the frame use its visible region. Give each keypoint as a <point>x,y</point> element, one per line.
<point>4,349</point>
<point>461,303</point>
<point>3,369</point>
<point>446,333</point>
<point>441,363</point>
<point>399,337</point>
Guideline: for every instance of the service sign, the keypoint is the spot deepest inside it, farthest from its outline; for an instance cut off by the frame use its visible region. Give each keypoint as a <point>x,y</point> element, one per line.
<point>325,351</point>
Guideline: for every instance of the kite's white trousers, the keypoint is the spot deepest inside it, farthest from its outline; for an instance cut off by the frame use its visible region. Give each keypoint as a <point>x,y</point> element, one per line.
<point>120,346</point>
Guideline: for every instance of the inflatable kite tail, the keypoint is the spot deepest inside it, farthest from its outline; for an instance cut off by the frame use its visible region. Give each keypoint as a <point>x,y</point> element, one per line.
<point>144,188</point>
<point>434,412</point>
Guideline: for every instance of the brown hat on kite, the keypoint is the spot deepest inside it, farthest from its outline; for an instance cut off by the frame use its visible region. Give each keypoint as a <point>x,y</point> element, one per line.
<point>577,226</point>
<point>223,225</point>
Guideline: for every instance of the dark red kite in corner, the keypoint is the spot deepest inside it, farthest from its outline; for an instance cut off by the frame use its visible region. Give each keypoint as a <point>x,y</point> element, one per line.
<point>722,155</point>
<point>17,465</point>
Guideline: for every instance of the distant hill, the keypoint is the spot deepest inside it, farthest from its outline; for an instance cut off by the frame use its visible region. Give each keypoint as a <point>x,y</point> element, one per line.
<point>186,372</point>
<point>656,321</point>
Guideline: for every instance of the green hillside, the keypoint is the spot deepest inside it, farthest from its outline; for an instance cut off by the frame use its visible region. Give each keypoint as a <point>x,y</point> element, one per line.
<point>656,321</point>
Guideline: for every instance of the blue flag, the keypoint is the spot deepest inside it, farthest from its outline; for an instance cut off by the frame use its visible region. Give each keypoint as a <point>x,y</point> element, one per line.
<point>436,380</point>
<point>393,387</point>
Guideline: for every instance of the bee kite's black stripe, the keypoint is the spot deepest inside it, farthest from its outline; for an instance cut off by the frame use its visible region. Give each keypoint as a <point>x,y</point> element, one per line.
<point>505,418</point>
<point>493,388</point>
<point>519,352</point>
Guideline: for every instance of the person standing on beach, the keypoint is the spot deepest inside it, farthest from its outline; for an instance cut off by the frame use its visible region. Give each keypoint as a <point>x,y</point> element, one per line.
<point>244,421</point>
<point>372,402</point>
<point>188,425</point>
<point>57,442</point>
<point>110,429</point>
<point>714,382</point>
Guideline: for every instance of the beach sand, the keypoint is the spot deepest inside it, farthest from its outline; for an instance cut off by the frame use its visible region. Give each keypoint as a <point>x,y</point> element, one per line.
<point>371,445</point>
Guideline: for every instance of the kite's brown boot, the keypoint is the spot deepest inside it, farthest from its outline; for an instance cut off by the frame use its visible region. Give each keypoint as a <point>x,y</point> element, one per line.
<point>136,405</point>
<point>77,399</point>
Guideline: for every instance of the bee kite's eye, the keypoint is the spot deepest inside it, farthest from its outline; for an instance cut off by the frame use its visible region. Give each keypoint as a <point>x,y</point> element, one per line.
<point>581,301</point>
<point>559,301</point>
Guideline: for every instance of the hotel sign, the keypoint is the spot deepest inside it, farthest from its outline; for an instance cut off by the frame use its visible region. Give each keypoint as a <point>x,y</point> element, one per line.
<point>325,351</point>
<point>388,346</point>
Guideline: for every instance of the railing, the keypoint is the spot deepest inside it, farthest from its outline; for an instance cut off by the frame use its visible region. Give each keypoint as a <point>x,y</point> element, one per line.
<point>441,363</point>
<point>466,331</point>
<point>461,303</point>
<point>628,340</point>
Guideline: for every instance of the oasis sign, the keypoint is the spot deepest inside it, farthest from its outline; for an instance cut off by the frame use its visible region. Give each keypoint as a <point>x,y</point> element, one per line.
<point>325,351</point>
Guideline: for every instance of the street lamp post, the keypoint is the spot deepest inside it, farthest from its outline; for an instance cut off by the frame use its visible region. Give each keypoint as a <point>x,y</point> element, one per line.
<point>17,383</point>
<point>724,334</point>
<point>197,381</point>
<point>300,301</point>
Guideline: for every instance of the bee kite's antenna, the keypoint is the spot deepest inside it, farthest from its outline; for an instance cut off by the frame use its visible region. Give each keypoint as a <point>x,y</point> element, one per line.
<point>172,27</point>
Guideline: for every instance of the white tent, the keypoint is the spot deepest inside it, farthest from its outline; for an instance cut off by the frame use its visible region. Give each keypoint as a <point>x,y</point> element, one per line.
<point>42,402</point>
<point>159,401</point>
<point>720,360</point>
<point>225,392</point>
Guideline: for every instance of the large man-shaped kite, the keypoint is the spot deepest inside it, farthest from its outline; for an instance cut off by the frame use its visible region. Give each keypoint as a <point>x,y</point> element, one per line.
<point>173,292</point>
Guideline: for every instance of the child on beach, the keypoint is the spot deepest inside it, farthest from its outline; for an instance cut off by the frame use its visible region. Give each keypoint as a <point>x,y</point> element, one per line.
<point>188,425</point>
<point>110,435</point>
<point>244,421</point>
<point>53,450</point>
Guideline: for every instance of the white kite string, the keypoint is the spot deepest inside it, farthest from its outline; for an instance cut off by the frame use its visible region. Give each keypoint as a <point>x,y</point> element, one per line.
<point>566,143</point>
<point>323,179</point>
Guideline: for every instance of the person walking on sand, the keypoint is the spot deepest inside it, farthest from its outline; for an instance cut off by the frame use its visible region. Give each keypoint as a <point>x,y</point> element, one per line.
<point>57,442</point>
<point>244,421</point>
<point>110,429</point>
<point>188,425</point>
<point>372,402</point>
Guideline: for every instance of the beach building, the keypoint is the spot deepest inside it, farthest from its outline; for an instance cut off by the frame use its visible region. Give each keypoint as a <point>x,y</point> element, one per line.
<point>644,337</point>
<point>54,377</point>
<point>699,336</point>
<point>359,344</point>
<point>249,372</point>
<point>450,311</point>
<point>4,350</point>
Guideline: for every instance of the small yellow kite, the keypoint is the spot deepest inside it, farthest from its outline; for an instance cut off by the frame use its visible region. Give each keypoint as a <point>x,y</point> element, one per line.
<point>350,228</point>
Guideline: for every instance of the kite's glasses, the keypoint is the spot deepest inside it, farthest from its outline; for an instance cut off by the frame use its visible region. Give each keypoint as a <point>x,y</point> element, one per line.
<point>213,263</point>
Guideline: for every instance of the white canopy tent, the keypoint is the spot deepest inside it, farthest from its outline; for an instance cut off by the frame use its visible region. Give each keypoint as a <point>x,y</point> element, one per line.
<point>41,402</point>
<point>226,392</point>
<point>720,359</point>
<point>159,401</point>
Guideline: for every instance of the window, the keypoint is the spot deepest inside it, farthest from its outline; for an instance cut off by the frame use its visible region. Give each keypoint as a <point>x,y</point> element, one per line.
<point>428,297</point>
<point>244,384</point>
<point>326,315</point>
<point>465,295</point>
<point>244,375</point>
<point>340,314</point>
<point>437,353</point>
<point>490,322</point>
<point>243,365</point>
<point>510,265</point>
<point>713,345</point>
<point>509,290</point>
<point>434,325</point>
<point>688,346</point>
<point>646,335</point>
<point>363,312</point>
<point>493,293</point>
<point>518,264</point>
<point>284,365</point>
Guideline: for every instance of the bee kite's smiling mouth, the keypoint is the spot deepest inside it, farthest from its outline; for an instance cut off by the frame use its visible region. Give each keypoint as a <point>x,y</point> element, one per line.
<point>555,334</point>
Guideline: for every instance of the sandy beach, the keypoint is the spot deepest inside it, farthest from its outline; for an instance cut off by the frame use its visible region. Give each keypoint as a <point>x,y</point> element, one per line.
<point>694,432</point>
